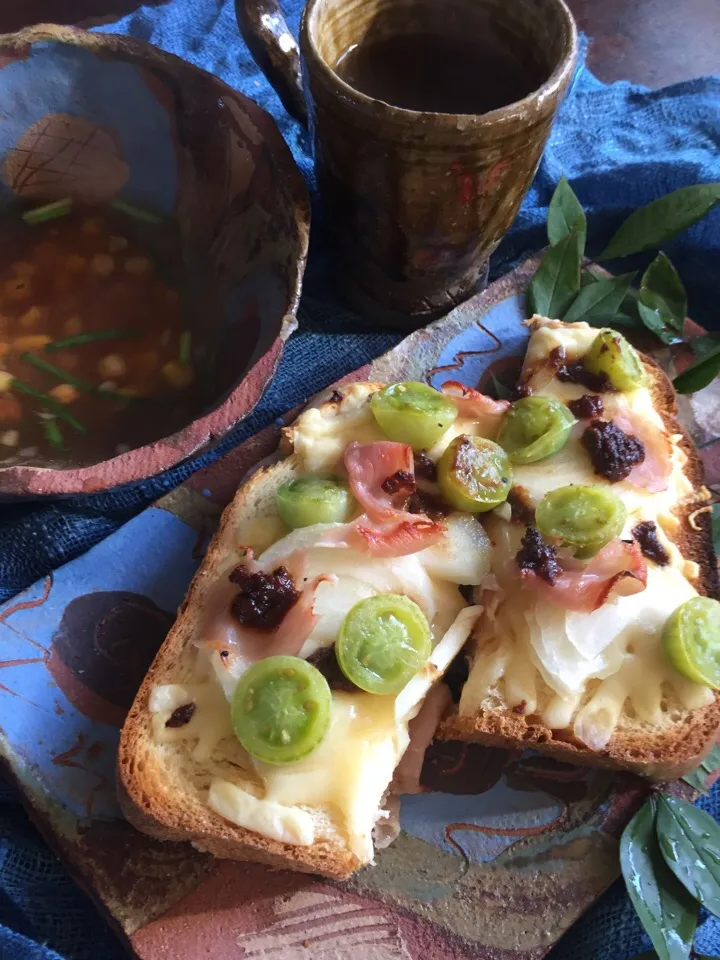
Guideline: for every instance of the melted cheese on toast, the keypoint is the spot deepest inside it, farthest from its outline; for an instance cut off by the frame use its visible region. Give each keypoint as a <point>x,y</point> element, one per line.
<point>580,670</point>
<point>574,671</point>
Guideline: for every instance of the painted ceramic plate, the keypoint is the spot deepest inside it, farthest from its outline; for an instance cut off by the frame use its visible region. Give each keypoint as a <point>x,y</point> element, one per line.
<point>496,858</point>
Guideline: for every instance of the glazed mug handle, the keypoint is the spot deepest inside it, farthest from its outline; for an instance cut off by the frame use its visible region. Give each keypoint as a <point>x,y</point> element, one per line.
<point>275,51</point>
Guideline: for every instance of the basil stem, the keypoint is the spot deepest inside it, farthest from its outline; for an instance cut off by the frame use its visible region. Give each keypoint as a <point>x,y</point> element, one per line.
<point>93,336</point>
<point>51,404</point>
<point>50,211</point>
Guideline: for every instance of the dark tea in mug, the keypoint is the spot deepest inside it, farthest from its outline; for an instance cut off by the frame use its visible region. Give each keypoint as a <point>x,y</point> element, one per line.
<point>439,73</point>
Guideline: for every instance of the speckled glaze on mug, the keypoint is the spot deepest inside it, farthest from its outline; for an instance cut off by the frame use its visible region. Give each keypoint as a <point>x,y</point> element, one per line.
<point>418,201</point>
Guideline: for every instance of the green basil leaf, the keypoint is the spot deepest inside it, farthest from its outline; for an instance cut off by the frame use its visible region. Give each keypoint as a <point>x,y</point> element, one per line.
<point>662,219</point>
<point>615,320</point>
<point>587,277</point>
<point>599,299</point>
<point>665,908</point>
<point>630,305</point>
<point>699,374</point>
<point>662,283</point>
<point>565,214</point>
<point>705,343</point>
<point>656,317</point>
<point>557,279</point>
<point>716,544</point>
<point>689,841</point>
<point>697,778</point>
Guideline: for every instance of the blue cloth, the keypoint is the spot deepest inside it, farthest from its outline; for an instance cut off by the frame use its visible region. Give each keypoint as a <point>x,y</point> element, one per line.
<point>621,146</point>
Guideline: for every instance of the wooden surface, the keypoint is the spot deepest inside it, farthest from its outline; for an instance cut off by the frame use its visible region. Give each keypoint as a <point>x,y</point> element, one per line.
<point>648,41</point>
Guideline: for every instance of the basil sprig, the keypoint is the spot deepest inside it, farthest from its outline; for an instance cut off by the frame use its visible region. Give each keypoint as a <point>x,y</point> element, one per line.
<point>689,840</point>
<point>662,219</point>
<point>565,214</point>
<point>670,861</point>
<point>599,301</point>
<point>557,280</point>
<point>665,908</point>
<point>562,289</point>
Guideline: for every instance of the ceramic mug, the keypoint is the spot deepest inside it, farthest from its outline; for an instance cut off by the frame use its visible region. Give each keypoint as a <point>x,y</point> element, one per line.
<point>417,200</point>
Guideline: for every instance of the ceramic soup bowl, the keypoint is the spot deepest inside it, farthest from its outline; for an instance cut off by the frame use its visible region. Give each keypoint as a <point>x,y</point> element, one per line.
<point>101,119</point>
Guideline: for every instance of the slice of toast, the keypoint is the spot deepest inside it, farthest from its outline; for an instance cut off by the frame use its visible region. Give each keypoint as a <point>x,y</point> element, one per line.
<point>164,787</point>
<point>657,752</point>
<point>162,790</point>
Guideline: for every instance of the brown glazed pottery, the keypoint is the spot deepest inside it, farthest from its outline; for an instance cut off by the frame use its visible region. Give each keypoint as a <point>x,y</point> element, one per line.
<point>86,109</point>
<point>418,200</point>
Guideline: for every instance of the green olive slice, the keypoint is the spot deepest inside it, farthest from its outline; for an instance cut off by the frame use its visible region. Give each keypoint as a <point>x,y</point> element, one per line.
<point>584,517</point>
<point>612,356</point>
<point>281,709</point>
<point>313,498</point>
<point>535,428</point>
<point>474,474</point>
<point>691,640</point>
<point>412,413</point>
<point>383,642</point>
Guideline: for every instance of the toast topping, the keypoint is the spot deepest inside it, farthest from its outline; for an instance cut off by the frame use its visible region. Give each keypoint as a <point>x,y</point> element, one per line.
<point>263,599</point>
<point>274,820</point>
<point>587,406</point>
<point>432,506</point>
<point>613,452</point>
<point>654,471</point>
<point>475,405</point>
<point>522,508</point>
<point>534,429</point>
<point>646,535</point>
<point>266,616</point>
<point>536,556</point>
<point>181,715</point>
<point>401,482</point>
<point>314,498</point>
<point>474,474</point>
<point>584,653</point>
<point>381,476</point>
<point>412,413</point>
<point>281,709</point>
<point>610,355</point>
<point>583,518</point>
<point>578,373</point>
<point>425,468</point>
<point>617,570</point>
<point>324,660</point>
